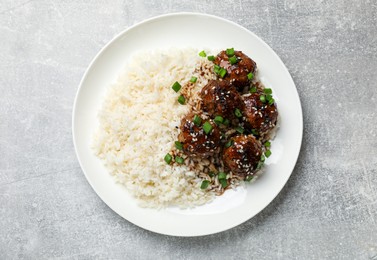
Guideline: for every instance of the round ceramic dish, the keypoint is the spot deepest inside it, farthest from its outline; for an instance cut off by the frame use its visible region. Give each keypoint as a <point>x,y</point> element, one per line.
<point>199,31</point>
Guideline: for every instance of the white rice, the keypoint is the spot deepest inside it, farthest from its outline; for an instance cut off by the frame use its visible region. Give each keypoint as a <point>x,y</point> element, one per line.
<point>137,128</point>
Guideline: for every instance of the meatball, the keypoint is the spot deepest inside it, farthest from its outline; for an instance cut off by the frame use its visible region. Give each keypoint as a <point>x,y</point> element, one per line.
<point>243,155</point>
<point>259,115</point>
<point>219,98</point>
<point>196,142</point>
<point>236,73</point>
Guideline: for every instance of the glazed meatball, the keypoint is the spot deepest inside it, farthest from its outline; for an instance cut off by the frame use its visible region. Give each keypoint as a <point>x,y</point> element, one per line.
<point>196,142</point>
<point>236,73</point>
<point>243,155</point>
<point>219,98</point>
<point>259,115</point>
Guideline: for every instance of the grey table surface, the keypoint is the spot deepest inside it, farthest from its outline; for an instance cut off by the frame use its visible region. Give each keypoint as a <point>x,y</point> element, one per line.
<point>327,210</point>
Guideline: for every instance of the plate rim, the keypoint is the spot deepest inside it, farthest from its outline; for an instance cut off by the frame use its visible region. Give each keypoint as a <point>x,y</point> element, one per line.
<point>152,19</point>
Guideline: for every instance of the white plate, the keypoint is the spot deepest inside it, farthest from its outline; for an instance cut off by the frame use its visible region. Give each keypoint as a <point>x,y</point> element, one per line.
<point>200,31</point>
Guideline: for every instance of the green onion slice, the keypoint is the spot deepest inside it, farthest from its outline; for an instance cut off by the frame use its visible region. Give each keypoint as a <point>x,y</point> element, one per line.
<point>204,185</point>
<point>263,98</point>
<point>229,144</point>
<point>230,52</point>
<point>202,54</point>
<point>211,58</point>
<point>233,60</point>
<point>222,72</point>
<point>176,86</point>
<point>250,76</point>
<point>193,79</point>
<point>226,122</point>
<point>240,129</point>
<point>181,100</point>
<point>267,153</point>
<point>207,127</point>
<point>197,120</point>
<point>179,160</point>
<point>222,175</point>
<point>168,158</point>
<point>178,145</point>
<point>223,182</point>
<point>267,144</point>
<point>218,119</point>
<point>267,91</point>
<point>238,113</point>
<point>253,90</point>
<point>216,69</point>
<point>260,164</point>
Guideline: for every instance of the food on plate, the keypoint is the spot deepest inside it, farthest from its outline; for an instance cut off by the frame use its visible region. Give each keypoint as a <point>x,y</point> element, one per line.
<point>260,111</point>
<point>220,98</point>
<point>179,129</point>
<point>199,137</point>
<point>238,67</point>
<point>243,155</point>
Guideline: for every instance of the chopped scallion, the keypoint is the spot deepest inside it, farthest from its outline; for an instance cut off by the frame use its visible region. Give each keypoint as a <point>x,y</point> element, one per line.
<point>271,101</point>
<point>230,52</point>
<point>181,100</point>
<point>211,174</point>
<point>178,145</point>
<point>260,164</point>
<point>267,91</point>
<point>168,158</point>
<point>202,54</point>
<point>233,60</point>
<point>193,79</point>
<point>238,113</point>
<point>226,122</point>
<point>204,185</point>
<point>222,176</point>
<point>176,86</point>
<point>240,129</point>
<point>254,132</point>
<point>229,144</point>
<point>197,120</point>
<point>263,98</point>
<point>253,90</point>
<point>262,158</point>
<point>179,160</point>
<point>250,76</point>
<point>267,153</point>
<point>224,183</point>
<point>268,97</point>
<point>218,119</point>
<point>216,69</point>
<point>267,144</point>
<point>211,58</point>
<point>207,127</point>
<point>222,72</point>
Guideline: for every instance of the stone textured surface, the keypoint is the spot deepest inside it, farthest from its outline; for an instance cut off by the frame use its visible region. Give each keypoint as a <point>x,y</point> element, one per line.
<point>328,209</point>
